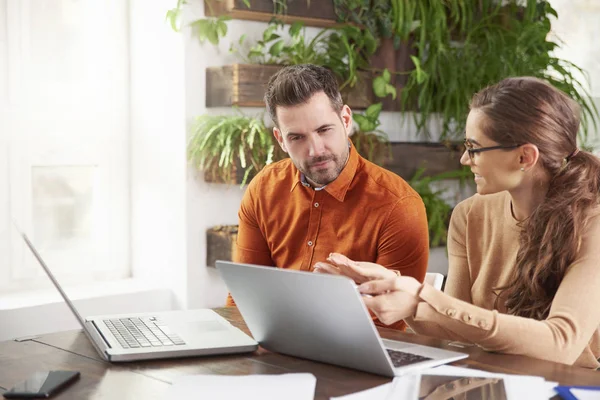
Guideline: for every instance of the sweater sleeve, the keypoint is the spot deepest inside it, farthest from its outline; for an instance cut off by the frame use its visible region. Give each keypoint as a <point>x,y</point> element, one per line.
<point>573,318</point>
<point>458,282</point>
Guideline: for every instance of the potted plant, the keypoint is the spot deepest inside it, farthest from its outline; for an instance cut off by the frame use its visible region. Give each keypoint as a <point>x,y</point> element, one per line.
<point>456,48</point>
<point>229,148</point>
<point>465,47</point>
<point>345,51</point>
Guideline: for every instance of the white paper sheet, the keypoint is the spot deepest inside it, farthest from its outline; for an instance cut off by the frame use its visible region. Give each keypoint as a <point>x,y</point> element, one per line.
<point>583,394</point>
<point>247,387</point>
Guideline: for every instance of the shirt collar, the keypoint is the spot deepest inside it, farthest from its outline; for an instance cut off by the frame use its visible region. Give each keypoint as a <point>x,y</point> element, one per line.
<point>339,187</point>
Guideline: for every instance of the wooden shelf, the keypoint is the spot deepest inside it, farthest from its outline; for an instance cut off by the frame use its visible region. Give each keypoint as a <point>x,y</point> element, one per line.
<point>320,13</point>
<point>244,85</point>
<point>408,157</point>
<point>220,243</point>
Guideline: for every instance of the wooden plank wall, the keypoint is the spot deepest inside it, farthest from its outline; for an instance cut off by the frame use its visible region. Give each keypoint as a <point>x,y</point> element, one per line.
<point>244,85</point>
<point>319,13</point>
<point>408,157</point>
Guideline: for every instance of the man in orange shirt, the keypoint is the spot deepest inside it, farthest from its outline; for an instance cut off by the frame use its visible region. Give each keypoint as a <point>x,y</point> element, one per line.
<point>326,197</point>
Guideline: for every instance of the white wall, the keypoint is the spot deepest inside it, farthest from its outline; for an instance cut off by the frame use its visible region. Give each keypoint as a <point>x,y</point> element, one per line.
<point>208,204</point>
<point>158,160</point>
<point>579,29</point>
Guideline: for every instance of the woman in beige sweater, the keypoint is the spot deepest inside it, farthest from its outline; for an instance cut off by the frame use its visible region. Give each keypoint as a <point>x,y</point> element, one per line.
<point>524,252</point>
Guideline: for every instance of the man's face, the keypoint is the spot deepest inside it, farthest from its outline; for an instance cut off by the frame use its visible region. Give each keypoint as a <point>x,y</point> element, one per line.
<point>315,137</point>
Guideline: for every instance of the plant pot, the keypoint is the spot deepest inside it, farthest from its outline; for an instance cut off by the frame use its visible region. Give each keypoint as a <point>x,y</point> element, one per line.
<point>220,243</point>
<point>372,147</point>
<point>236,175</point>
<point>316,13</point>
<point>244,85</point>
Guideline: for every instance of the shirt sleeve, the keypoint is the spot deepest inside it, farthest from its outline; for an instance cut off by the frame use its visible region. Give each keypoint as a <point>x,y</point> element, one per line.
<point>251,245</point>
<point>404,239</point>
<point>404,242</point>
<point>562,337</point>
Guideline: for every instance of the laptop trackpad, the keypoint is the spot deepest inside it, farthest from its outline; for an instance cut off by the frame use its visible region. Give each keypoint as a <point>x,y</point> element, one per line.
<point>395,345</point>
<point>205,326</point>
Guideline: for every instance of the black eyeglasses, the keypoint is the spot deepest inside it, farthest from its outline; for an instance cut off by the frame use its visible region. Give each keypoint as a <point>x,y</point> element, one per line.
<point>472,151</point>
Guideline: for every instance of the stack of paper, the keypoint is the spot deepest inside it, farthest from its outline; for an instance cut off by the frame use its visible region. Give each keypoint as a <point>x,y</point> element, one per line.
<point>408,386</point>
<point>225,387</point>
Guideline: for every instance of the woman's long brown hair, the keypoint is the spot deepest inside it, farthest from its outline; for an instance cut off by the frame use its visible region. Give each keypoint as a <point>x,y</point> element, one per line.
<point>528,110</point>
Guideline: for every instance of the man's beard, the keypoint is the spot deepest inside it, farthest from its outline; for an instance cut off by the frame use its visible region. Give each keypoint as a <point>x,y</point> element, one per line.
<point>324,177</point>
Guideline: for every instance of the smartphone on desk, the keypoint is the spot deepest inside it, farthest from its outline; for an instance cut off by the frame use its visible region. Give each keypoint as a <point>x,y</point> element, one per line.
<point>42,385</point>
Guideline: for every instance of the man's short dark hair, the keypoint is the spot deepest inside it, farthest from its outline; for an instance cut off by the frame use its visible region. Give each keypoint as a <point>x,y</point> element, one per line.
<point>296,84</point>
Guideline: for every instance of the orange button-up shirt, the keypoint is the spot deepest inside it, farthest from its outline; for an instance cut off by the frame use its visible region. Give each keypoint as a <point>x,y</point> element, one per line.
<point>367,214</point>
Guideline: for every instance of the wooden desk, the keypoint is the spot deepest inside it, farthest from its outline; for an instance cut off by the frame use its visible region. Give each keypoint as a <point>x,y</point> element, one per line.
<point>150,379</point>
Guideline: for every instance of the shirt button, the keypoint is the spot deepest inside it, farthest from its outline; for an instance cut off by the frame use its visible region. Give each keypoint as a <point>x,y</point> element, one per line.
<point>451,312</point>
<point>466,317</point>
<point>316,204</point>
<point>310,243</point>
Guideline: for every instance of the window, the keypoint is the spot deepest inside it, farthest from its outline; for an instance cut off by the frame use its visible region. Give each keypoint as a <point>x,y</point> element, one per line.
<point>64,137</point>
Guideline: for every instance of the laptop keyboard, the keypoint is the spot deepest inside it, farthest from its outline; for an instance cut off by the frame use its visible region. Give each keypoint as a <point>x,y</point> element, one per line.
<point>142,332</point>
<point>400,358</point>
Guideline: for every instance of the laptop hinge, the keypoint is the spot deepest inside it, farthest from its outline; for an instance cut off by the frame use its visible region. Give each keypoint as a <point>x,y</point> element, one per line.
<point>97,329</point>
<point>97,339</point>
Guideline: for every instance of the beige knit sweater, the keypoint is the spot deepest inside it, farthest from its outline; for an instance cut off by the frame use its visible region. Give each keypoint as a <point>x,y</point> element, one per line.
<point>482,247</point>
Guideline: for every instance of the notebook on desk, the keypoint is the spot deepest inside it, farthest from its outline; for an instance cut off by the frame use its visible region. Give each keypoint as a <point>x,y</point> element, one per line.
<point>322,318</point>
<point>132,337</point>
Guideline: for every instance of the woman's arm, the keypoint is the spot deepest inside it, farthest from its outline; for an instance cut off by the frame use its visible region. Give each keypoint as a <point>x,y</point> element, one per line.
<point>574,315</point>
<point>458,281</point>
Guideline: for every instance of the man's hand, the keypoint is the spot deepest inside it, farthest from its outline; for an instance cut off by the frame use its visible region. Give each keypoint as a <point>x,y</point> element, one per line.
<point>359,271</point>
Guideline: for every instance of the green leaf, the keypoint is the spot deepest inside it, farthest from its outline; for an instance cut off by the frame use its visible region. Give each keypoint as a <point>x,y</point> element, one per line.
<point>253,54</point>
<point>221,28</point>
<point>421,76</point>
<point>373,111</point>
<point>389,89</point>
<point>247,3</point>
<point>275,49</point>
<point>386,75</point>
<point>295,28</point>
<point>370,42</point>
<point>362,121</point>
<point>379,87</point>
<point>173,18</point>
<point>269,33</point>
<point>212,36</point>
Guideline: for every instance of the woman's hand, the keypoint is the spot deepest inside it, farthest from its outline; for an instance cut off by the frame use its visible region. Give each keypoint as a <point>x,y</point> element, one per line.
<point>360,272</point>
<point>392,299</point>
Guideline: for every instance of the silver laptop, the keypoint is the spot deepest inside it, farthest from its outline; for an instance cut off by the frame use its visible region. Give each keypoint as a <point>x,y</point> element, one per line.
<point>320,317</point>
<point>132,337</point>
